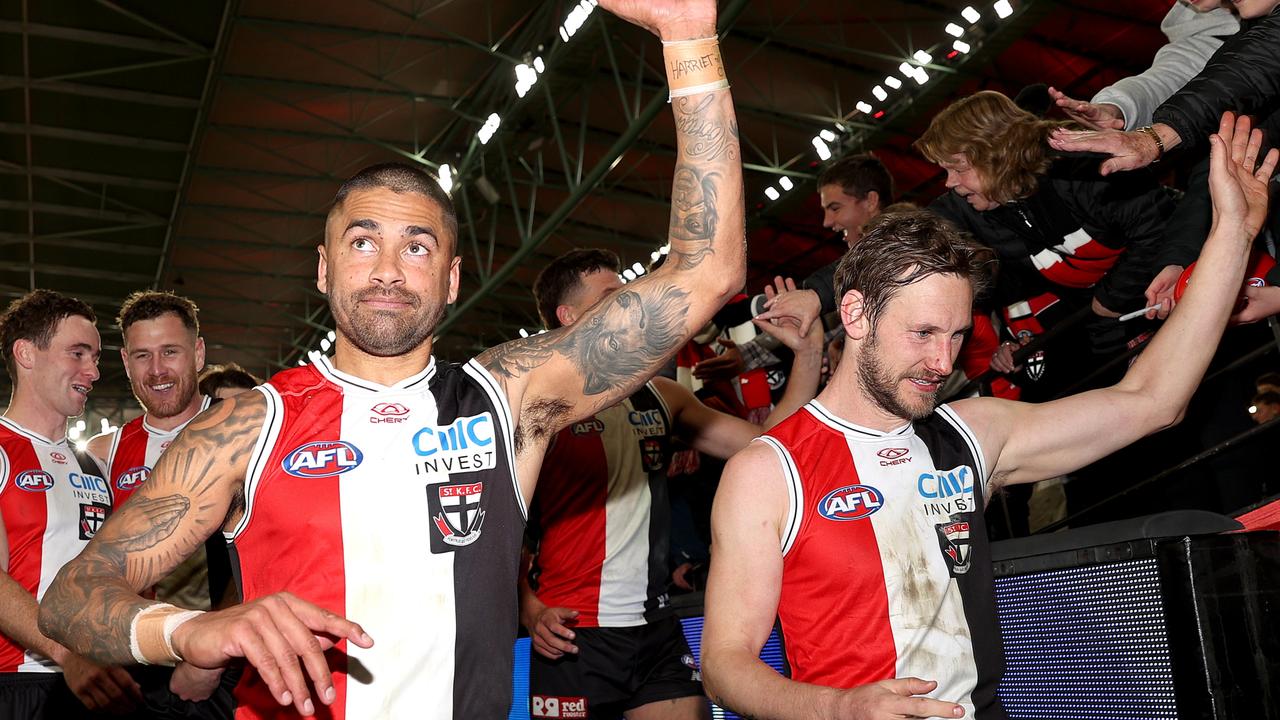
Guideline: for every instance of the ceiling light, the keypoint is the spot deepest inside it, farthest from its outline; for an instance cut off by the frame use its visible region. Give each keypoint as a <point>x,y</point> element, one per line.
<point>638,269</point>
<point>489,128</point>
<point>1003,9</point>
<point>879,92</point>
<point>863,107</point>
<point>824,152</point>
<point>961,46</point>
<point>772,192</point>
<point>968,13</point>
<point>445,179</point>
<point>954,30</point>
<point>785,182</point>
<point>827,135</point>
<point>893,82</point>
<point>923,57</point>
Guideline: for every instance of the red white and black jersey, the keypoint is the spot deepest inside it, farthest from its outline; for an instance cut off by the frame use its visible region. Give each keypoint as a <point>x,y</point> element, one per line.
<point>886,565</point>
<point>396,507</point>
<point>52,506</point>
<point>134,451</point>
<point>602,517</point>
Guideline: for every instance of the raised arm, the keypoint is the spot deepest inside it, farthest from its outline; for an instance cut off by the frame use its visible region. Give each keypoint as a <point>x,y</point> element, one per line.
<point>1034,442</point>
<point>195,489</point>
<point>742,602</point>
<point>557,377</point>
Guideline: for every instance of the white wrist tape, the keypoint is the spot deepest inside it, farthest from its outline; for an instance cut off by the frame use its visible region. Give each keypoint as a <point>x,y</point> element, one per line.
<point>151,633</point>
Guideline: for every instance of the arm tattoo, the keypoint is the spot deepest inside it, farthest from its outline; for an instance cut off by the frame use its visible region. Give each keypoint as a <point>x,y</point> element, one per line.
<point>693,215</point>
<point>92,602</point>
<point>513,359</point>
<point>708,137</point>
<point>620,344</point>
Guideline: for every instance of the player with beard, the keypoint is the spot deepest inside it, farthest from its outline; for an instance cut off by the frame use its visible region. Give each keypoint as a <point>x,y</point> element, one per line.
<point>857,523</point>
<point>385,486</point>
<point>163,354</point>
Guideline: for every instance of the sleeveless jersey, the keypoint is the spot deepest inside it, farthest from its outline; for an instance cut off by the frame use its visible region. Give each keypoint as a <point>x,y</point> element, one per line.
<point>135,449</point>
<point>396,507</point>
<point>603,516</point>
<point>886,565</point>
<point>52,506</point>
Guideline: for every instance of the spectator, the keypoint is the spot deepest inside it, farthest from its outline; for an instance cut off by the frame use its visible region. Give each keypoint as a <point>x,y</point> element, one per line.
<point>227,380</point>
<point>1266,407</point>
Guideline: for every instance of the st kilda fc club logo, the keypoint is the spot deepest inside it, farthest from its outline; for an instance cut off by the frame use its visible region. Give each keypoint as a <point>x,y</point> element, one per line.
<point>953,539</point>
<point>456,515</point>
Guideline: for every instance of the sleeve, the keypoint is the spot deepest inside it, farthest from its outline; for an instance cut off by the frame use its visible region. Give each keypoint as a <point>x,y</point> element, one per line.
<point>1193,38</point>
<point>1244,76</point>
<point>823,282</point>
<point>1135,208</point>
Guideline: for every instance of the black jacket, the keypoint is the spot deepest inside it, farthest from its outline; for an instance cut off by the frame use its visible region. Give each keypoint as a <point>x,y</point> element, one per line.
<point>1123,212</point>
<point>1242,76</point>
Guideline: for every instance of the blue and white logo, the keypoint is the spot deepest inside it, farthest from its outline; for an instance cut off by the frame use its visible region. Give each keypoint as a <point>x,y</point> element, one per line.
<point>944,484</point>
<point>133,477</point>
<point>322,458</point>
<point>34,481</point>
<point>851,502</point>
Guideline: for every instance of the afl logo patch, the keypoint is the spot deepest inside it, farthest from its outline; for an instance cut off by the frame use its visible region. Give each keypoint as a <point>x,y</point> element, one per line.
<point>322,458</point>
<point>133,477</point>
<point>851,502</point>
<point>34,481</point>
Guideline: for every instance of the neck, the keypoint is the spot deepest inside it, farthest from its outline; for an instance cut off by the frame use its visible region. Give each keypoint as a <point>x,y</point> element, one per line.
<point>845,397</point>
<point>382,370</point>
<point>174,421</point>
<point>37,416</point>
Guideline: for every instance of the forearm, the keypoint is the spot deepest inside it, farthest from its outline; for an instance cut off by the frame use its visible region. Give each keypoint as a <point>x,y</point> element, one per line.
<point>90,611</point>
<point>802,382</point>
<point>18,616</point>
<point>739,681</point>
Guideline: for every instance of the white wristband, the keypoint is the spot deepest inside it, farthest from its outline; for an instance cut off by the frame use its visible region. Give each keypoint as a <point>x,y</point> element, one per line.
<point>134,648</point>
<point>172,623</point>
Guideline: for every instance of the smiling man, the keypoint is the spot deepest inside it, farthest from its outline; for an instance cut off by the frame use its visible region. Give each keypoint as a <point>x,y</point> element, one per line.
<point>411,528</point>
<point>52,501</point>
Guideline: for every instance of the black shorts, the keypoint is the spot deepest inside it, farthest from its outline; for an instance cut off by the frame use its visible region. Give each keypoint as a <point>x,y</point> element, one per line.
<point>38,696</point>
<point>615,670</point>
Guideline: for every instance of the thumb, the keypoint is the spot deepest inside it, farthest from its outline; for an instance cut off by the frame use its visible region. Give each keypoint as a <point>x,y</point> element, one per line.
<point>913,686</point>
<point>727,344</point>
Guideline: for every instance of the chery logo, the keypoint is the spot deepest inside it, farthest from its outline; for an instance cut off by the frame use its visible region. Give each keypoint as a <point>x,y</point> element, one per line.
<point>58,457</point>
<point>389,413</point>
<point>893,456</point>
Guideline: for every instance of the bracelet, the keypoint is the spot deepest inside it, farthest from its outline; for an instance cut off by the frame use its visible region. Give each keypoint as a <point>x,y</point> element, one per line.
<point>1151,132</point>
<point>151,633</point>
<point>694,66</point>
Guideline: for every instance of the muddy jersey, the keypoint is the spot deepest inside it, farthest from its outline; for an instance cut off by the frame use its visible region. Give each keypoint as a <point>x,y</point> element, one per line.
<point>52,505</point>
<point>135,448</point>
<point>886,567</point>
<point>396,507</point>
<point>602,516</point>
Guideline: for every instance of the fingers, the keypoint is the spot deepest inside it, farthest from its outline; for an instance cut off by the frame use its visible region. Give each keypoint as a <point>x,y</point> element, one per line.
<point>909,686</point>
<point>555,637</point>
<point>317,619</point>
<point>125,682</point>
<point>922,707</point>
<point>1268,166</point>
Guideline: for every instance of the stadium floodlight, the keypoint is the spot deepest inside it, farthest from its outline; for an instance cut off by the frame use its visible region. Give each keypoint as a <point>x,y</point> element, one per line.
<point>772,193</point>
<point>785,182</point>
<point>961,46</point>
<point>880,93</point>
<point>954,30</point>
<point>968,13</point>
<point>1003,9</point>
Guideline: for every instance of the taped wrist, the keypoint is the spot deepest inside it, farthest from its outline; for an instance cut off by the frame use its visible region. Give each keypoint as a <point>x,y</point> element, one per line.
<point>694,66</point>
<point>151,633</point>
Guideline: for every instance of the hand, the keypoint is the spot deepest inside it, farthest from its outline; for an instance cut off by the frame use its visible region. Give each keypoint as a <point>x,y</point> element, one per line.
<point>108,689</point>
<point>725,366</point>
<point>1095,116</point>
<point>273,633</point>
<point>668,19</point>
<point>802,306</point>
<point>550,632</point>
<point>1260,303</point>
<point>1238,190</point>
<point>1002,361</point>
<point>194,684</point>
<point>1161,292</point>
<point>788,331</point>
<point>1128,150</point>
<point>680,576</point>
<point>1102,310</point>
<point>893,699</point>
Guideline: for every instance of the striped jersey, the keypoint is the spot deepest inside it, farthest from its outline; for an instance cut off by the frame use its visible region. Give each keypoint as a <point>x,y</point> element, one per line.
<point>886,567</point>
<point>396,507</point>
<point>602,516</point>
<point>52,505</point>
<point>135,449</point>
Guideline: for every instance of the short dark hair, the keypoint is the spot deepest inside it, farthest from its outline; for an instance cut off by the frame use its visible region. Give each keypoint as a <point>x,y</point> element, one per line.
<point>899,249</point>
<point>226,375</point>
<point>1267,398</point>
<point>563,276</point>
<point>151,304</point>
<point>858,175</point>
<point>400,178</point>
<point>35,317</point>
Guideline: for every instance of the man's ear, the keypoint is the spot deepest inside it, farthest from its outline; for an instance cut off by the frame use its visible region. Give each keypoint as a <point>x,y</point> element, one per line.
<point>853,316</point>
<point>873,202</point>
<point>566,315</point>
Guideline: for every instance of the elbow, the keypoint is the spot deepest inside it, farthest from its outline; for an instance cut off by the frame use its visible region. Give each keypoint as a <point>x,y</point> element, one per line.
<point>711,667</point>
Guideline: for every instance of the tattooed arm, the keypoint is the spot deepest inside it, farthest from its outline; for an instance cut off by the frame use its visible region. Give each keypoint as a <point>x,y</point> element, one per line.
<point>194,491</point>
<point>558,377</point>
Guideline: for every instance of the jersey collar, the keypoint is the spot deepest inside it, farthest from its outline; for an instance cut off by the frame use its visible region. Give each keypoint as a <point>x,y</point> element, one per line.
<point>31,434</point>
<point>324,365</point>
<point>204,405</point>
<point>830,419</point>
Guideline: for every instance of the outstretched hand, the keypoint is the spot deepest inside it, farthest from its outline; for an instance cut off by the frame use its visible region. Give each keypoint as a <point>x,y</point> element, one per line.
<point>1095,116</point>
<point>1128,150</point>
<point>283,636</point>
<point>1237,181</point>
<point>668,19</point>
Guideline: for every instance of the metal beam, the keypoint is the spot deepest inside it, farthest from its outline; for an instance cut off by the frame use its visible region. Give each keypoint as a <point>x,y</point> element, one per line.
<point>71,271</point>
<point>77,211</point>
<point>99,91</point>
<point>90,245</point>
<point>91,136</point>
<point>90,177</point>
<point>93,37</point>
